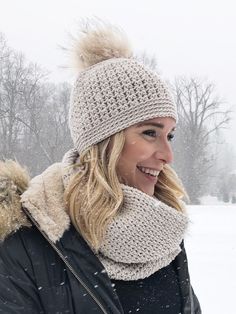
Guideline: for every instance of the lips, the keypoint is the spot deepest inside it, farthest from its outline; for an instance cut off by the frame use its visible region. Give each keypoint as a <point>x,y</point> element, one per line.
<point>148,171</point>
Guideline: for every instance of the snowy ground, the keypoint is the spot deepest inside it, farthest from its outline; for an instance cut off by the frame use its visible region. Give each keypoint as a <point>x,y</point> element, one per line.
<point>211,250</point>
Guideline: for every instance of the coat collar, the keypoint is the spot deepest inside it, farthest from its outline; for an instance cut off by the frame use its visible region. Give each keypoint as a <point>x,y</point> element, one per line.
<point>43,198</point>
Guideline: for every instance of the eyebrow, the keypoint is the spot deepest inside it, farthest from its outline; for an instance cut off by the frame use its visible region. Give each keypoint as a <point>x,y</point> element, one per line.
<point>157,125</point>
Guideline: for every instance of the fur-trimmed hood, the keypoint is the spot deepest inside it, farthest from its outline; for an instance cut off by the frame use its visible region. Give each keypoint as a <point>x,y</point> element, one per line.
<point>42,197</point>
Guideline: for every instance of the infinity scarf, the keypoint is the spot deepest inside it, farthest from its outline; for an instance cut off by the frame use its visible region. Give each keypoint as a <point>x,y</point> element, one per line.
<point>143,237</point>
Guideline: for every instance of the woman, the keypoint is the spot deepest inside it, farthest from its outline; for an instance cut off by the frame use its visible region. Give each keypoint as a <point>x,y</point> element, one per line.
<point>101,232</point>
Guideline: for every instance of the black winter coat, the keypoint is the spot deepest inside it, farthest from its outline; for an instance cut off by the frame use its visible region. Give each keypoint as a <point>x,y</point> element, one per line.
<point>34,278</point>
<point>49,268</point>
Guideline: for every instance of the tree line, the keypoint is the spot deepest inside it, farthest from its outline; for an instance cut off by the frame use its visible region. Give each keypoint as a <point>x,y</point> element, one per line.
<point>34,124</point>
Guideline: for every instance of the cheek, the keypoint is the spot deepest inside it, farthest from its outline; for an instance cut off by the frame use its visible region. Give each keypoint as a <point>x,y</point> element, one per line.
<point>127,159</point>
<point>131,156</point>
<point>134,153</point>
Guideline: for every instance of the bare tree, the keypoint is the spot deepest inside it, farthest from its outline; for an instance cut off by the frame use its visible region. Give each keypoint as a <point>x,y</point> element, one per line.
<point>12,73</point>
<point>51,125</point>
<point>47,135</point>
<point>201,114</point>
<point>33,112</point>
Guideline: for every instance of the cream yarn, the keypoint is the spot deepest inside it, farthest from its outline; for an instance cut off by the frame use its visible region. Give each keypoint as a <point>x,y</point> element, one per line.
<point>144,237</point>
<point>113,90</point>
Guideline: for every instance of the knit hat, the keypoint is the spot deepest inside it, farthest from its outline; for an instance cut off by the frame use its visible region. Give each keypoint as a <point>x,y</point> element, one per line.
<point>113,90</point>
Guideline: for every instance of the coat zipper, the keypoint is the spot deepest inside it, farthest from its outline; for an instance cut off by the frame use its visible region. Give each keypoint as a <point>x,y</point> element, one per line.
<point>66,262</point>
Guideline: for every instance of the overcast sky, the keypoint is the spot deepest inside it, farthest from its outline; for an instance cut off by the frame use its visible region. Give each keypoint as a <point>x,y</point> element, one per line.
<point>187,37</point>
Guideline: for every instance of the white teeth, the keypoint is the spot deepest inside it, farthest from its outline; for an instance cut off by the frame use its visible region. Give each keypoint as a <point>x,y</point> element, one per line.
<point>152,172</point>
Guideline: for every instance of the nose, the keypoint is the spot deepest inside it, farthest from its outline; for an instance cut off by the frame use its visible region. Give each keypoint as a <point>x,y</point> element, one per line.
<point>164,153</point>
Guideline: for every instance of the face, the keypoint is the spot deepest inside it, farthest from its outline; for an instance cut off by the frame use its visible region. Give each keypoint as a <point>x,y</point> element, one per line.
<point>146,150</point>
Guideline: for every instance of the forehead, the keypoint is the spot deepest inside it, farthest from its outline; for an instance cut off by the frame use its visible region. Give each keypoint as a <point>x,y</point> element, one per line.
<point>160,122</point>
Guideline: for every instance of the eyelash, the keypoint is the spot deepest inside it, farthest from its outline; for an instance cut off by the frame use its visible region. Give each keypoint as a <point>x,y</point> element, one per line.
<point>170,137</point>
<point>149,132</point>
<point>153,133</point>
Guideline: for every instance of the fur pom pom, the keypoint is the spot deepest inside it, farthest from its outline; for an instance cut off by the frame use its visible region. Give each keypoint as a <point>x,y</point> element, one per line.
<point>99,41</point>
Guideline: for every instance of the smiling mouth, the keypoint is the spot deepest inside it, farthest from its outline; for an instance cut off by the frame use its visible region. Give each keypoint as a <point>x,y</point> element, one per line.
<point>149,172</point>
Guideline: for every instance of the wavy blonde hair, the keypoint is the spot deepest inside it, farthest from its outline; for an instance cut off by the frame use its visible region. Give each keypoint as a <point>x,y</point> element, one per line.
<point>94,194</point>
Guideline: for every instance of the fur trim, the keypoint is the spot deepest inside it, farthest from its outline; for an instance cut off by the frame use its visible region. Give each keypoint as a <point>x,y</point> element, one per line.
<point>99,42</point>
<point>42,197</point>
<point>44,200</point>
<point>14,181</point>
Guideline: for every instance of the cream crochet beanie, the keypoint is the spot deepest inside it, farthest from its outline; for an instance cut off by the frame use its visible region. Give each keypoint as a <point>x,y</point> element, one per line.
<point>113,90</point>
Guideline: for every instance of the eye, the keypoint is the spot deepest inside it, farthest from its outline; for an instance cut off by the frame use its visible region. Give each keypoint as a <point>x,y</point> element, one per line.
<point>170,137</point>
<point>151,133</point>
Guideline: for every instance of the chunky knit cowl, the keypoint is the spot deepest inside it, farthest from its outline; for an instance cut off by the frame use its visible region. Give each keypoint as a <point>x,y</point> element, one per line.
<point>143,237</point>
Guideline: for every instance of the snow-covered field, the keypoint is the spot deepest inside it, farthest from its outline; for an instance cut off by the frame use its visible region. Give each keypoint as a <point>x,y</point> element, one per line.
<point>211,249</point>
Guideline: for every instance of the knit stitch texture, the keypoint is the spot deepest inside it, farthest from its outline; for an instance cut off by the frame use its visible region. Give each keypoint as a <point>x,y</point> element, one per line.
<point>143,237</point>
<point>113,95</point>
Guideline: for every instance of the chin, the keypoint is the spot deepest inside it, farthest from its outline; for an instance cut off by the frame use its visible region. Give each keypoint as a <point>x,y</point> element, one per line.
<point>148,191</point>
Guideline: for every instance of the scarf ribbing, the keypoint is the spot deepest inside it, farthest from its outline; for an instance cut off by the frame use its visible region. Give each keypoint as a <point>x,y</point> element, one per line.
<point>143,237</point>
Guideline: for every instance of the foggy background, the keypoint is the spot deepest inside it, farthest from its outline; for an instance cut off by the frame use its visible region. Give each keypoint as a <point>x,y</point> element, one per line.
<point>190,43</point>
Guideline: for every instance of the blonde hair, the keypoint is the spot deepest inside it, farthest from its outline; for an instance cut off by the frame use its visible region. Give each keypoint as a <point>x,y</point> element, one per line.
<point>94,194</point>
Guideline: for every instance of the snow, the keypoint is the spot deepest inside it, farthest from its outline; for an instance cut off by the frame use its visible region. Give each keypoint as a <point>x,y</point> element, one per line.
<point>211,249</point>
<point>212,200</point>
